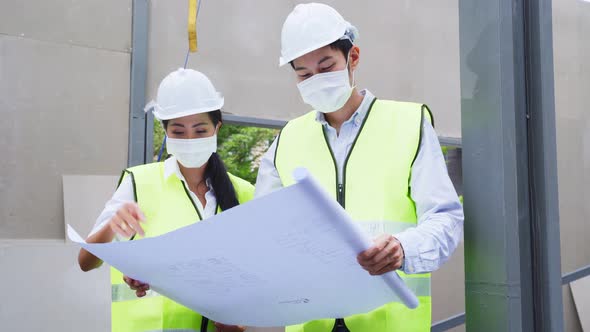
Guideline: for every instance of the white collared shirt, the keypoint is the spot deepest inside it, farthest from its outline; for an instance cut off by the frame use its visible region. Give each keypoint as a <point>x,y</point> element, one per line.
<point>125,194</point>
<point>440,214</point>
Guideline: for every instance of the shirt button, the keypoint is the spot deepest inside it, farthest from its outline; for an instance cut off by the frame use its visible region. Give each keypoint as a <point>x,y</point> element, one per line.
<point>357,122</point>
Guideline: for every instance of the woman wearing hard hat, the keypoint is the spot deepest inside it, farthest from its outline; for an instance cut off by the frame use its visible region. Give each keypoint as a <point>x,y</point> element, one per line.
<point>157,198</point>
<point>380,159</point>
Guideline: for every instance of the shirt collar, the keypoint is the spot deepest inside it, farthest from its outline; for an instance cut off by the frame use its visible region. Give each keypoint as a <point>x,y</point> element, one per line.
<point>171,168</point>
<point>359,114</point>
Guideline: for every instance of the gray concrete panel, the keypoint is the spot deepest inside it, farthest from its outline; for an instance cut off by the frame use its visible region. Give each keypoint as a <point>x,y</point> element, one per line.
<point>571,28</point>
<point>103,24</point>
<point>571,320</point>
<point>581,294</point>
<point>84,199</point>
<point>45,290</point>
<point>65,111</point>
<point>572,83</point>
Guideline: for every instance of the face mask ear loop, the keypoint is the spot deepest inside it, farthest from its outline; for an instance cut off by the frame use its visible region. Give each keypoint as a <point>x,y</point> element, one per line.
<point>353,83</point>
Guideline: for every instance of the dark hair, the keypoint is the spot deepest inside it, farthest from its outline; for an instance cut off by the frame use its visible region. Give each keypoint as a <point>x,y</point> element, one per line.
<point>216,172</point>
<point>342,45</point>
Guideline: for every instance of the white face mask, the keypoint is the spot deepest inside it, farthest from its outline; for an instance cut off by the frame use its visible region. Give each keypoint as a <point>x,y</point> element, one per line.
<point>192,153</point>
<point>326,92</point>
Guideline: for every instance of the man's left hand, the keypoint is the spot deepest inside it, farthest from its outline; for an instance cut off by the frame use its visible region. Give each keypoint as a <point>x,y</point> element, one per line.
<point>384,256</point>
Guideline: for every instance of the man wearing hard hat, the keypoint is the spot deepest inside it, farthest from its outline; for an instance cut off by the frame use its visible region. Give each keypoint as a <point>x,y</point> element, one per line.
<point>380,159</point>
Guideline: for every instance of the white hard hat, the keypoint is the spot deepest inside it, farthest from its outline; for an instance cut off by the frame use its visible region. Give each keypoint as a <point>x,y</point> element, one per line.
<point>311,26</point>
<point>185,92</point>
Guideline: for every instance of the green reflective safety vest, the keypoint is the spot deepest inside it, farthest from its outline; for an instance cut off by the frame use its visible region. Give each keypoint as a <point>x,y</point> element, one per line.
<point>375,188</point>
<point>159,199</point>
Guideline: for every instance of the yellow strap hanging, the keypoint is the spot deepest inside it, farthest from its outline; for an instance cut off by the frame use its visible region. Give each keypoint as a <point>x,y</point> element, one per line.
<point>192,25</point>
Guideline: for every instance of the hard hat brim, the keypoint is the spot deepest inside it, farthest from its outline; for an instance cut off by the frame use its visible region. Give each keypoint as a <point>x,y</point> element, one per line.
<point>161,116</point>
<point>285,60</point>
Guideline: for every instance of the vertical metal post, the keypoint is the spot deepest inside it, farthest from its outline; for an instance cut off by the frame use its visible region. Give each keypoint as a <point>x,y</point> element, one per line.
<point>548,306</point>
<point>139,122</point>
<point>508,136</point>
<point>149,138</point>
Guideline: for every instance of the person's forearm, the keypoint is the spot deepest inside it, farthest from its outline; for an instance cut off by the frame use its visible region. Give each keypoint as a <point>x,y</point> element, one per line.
<point>432,242</point>
<point>87,260</point>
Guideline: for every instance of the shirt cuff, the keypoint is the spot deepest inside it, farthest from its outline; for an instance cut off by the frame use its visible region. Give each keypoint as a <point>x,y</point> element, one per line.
<point>410,244</point>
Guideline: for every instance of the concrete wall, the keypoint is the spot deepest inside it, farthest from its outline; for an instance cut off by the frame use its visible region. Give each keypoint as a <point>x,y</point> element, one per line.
<point>43,289</point>
<point>64,104</point>
<point>64,101</point>
<point>571,30</point>
<point>409,51</point>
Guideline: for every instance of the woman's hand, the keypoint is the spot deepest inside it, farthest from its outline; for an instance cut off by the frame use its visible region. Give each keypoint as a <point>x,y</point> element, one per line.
<point>126,222</point>
<point>229,328</point>
<point>384,256</point>
<point>139,287</point>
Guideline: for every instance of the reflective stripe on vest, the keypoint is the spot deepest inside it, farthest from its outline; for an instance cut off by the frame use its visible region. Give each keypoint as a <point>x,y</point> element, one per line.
<point>419,285</point>
<point>122,292</point>
<point>375,192</point>
<point>159,198</point>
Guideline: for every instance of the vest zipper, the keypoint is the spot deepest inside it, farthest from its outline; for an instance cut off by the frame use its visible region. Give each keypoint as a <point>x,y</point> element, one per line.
<point>339,324</point>
<point>339,186</point>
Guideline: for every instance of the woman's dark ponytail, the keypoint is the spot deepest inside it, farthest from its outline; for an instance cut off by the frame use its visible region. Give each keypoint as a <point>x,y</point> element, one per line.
<point>222,185</point>
<point>217,174</point>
